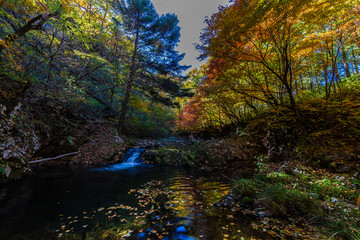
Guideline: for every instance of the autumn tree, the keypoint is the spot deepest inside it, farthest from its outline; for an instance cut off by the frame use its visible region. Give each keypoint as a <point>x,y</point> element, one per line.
<point>265,38</point>
<point>272,54</point>
<point>75,51</point>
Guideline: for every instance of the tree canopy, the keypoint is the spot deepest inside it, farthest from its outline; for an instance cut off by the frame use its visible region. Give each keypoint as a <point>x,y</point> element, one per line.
<point>271,54</point>
<point>100,56</point>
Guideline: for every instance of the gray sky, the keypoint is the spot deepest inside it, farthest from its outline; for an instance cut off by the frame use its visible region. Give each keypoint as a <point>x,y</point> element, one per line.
<point>191,14</point>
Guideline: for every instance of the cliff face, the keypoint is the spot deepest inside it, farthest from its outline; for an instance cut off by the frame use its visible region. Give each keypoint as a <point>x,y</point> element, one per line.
<point>18,141</point>
<point>40,128</point>
<point>28,127</point>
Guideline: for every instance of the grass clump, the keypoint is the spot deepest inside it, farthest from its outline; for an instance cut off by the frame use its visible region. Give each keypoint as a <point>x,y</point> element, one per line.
<point>273,192</point>
<point>284,201</point>
<point>325,200</point>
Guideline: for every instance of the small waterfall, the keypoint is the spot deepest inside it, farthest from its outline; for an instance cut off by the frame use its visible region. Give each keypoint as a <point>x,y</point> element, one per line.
<point>133,156</point>
<point>131,159</point>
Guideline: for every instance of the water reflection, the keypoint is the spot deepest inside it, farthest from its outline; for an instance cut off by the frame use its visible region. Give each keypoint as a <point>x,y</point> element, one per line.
<point>137,203</point>
<point>192,201</point>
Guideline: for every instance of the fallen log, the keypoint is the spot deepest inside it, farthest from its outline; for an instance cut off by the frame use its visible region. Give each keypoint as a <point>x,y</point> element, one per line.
<point>47,159</point>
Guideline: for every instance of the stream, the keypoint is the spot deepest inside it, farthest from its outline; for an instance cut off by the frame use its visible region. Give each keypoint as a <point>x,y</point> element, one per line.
<point>129,200</point>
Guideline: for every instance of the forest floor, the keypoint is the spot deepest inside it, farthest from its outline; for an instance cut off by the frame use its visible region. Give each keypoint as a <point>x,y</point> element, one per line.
<point>293,200</point>
<point>302,181</point>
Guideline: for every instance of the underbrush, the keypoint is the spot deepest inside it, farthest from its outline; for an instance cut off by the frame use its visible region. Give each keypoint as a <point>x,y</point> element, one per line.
<point>178,155</point>
<point>318,198</point>
<point>230,153</point>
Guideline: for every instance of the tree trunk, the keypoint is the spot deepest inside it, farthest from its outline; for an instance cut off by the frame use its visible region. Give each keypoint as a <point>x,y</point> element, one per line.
<point>326,77</point>
<point>133,69</point>
<point>344,59</point>
<point>33,24</point>
<point>355,62</point>
<point>293,105</point>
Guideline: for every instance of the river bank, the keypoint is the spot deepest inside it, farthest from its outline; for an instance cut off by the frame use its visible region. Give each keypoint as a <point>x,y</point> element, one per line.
<point>297,181</point>
<point>296,200</point>
<point>302,180</point>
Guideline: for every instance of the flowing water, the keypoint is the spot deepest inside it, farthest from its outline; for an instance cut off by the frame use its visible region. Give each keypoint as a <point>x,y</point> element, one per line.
<point>129,200</point>
<point>131,159</point>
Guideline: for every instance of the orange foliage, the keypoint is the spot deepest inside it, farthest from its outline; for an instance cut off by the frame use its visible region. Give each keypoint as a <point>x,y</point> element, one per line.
<point>269,53</point>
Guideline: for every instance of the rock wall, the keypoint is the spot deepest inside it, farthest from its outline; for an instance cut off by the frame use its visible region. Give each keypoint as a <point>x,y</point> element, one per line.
<point>38,128</point>
<point>18,142</point>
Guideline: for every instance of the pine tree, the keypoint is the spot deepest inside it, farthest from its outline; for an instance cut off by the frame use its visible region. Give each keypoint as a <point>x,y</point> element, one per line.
<point>154,62</point>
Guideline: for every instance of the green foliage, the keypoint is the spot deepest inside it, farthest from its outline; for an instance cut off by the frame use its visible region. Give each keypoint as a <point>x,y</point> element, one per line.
<point>305,195</point>
<point>351,82</point>
<point>78,57</point>
<point>145,128</point>
<point>260,165</point>
<point>149,119</point>
<point>2,168</point>
<point>279,199</point>
<point>188,155</point>
<point>246,188</point>
<point>287,201</point>
<point>356,182</point>
<point>154,65</point>
<point>333,187</point>
<point>344,229</point>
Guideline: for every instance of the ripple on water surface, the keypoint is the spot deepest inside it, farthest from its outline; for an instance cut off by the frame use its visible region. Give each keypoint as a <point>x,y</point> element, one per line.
<point>134,203</point>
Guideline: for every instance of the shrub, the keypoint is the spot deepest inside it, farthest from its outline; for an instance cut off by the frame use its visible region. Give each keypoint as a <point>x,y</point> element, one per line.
<point>246,188</point>
<point>277,193</point>
<point>281,200</point>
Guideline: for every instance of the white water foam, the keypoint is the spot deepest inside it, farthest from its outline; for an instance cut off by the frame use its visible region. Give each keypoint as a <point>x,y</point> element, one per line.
<point>131,159</point>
